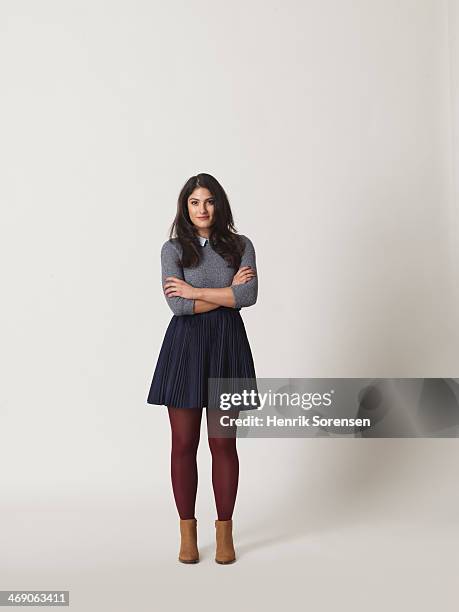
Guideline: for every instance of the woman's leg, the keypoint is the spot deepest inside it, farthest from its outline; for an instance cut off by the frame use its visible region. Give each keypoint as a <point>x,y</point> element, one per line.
<point>185,430</point>
<point>225,463</point>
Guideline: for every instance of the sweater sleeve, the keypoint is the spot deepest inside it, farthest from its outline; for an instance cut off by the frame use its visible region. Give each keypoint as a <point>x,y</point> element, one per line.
<point>246,294</point>
<point>171,266</point>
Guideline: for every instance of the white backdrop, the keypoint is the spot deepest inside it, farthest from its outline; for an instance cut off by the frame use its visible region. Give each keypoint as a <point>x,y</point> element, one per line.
<point>333,127</point>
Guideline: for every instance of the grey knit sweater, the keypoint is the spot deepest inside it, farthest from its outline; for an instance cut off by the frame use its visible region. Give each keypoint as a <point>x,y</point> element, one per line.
<point>212,271</point>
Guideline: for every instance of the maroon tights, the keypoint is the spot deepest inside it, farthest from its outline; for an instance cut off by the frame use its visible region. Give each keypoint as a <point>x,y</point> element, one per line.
<point>185,430</point>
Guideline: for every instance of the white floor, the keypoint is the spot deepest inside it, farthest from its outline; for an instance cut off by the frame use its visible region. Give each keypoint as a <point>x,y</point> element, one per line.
<point>118,554</point>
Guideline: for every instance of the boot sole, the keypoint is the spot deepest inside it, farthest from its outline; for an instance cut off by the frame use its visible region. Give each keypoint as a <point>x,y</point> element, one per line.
<point>225,562</point>
<point>189,561</point>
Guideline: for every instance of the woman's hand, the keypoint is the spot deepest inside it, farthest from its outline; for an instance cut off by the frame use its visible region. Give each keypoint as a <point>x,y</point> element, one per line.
<point>243,275</point>
<point>176,287</point>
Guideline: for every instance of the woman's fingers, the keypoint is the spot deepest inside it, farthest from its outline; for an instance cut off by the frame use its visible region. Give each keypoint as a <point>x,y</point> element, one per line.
<point>172,281</point>
<point>170,287</point>
<point>243,277</point>
<point>245,270</point>
<point>175,287</point>
<point>173,291</point>
<point>247,273</point>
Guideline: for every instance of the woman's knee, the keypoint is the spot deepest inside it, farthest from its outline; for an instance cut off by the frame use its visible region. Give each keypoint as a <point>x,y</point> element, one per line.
<point>184,445</point>
<point>221,446</point>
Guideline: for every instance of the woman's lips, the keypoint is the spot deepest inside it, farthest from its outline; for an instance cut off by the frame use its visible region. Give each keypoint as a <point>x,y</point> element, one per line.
<point>202,218</point>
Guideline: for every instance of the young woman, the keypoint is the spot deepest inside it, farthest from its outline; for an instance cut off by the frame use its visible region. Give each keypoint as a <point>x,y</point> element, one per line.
<point>208,275</point>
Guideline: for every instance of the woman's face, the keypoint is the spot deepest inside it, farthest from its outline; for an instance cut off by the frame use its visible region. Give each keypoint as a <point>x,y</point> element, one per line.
<point>201,209</point>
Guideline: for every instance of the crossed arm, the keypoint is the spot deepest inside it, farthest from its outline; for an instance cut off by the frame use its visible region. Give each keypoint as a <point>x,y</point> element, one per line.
<point>206,299</point>
<point>183,298</point>
<point>204,306</point>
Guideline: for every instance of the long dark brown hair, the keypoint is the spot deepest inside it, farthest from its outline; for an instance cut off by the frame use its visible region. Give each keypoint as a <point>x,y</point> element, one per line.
<point>223,236</point>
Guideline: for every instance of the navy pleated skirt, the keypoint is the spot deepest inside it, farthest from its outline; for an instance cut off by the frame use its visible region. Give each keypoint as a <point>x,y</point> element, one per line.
<point>196,348</point>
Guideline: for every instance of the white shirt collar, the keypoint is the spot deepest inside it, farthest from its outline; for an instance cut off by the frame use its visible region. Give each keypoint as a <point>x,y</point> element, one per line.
<point>202,240</point>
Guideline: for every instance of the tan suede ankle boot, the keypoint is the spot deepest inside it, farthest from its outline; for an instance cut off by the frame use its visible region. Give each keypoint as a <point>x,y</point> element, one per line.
<point>189,541</point>
<point>224,537</point>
